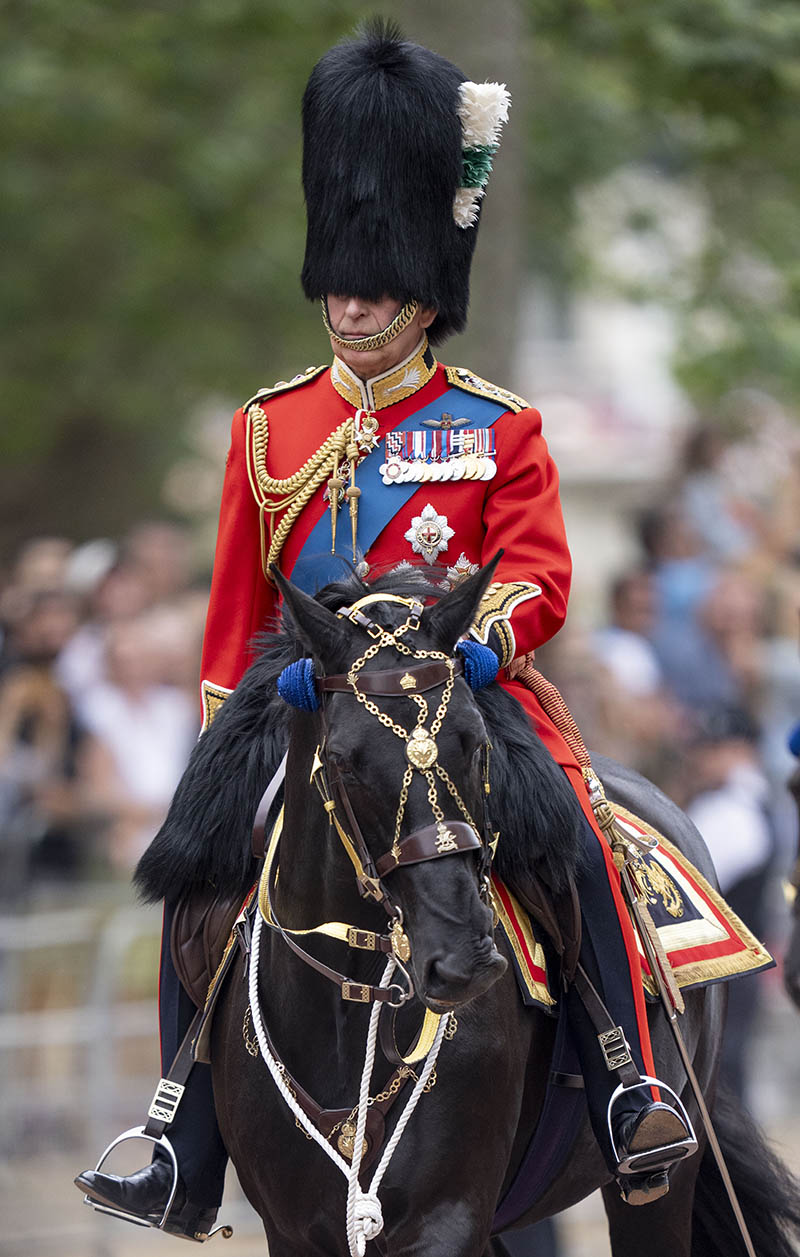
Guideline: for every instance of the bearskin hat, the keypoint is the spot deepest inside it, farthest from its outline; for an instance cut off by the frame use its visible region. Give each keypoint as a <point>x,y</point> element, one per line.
<point>397,148</point>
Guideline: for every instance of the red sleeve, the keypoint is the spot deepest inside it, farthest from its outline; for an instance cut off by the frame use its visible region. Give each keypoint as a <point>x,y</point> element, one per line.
<point>242,601</point>
<point>527,603</point>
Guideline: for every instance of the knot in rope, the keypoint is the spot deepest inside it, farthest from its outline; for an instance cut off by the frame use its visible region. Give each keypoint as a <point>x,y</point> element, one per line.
<point>367,1220</point>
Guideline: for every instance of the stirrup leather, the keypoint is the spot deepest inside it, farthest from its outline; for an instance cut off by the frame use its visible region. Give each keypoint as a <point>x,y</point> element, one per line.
<point>652,1159</point>
<point>138,1132</point>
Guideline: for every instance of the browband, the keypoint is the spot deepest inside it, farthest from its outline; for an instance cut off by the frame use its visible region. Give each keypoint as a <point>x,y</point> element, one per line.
<point>396,681</point>
<point>428,844</point>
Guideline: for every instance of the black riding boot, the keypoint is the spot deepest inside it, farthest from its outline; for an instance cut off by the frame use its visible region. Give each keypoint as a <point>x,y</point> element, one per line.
<point>194,1134</point>
<point>639,1124</point>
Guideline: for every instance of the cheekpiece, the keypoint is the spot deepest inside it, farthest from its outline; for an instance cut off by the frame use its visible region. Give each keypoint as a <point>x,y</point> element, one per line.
<point>397,149</point>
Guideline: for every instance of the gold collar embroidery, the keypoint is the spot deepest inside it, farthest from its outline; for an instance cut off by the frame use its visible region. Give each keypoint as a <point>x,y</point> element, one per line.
<point>393,386</point>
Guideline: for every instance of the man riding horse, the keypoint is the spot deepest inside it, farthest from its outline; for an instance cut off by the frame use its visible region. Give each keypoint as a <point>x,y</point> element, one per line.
<point>385,458</point>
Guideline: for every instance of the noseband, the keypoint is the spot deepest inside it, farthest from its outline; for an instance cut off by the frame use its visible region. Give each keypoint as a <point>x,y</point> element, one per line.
<point>427,670</point>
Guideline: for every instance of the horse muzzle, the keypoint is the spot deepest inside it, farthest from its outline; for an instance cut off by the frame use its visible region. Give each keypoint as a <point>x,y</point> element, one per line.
<point>452,978</point>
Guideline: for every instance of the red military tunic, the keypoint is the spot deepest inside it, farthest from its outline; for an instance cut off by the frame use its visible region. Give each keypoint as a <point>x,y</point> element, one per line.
<point>517,510</point>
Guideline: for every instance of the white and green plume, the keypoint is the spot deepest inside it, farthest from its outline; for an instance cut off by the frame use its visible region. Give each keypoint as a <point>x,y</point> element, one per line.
<point>483,108</point>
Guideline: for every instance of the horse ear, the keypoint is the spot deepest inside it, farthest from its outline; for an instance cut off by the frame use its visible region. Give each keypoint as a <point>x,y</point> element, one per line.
<point>451,617</point>
<point>322,633</point>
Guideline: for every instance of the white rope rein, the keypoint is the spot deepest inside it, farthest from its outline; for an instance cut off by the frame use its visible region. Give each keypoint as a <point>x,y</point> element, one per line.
<point>364,1214</point>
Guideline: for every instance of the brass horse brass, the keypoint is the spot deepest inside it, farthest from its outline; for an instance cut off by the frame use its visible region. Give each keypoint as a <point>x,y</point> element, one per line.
<point>400,943</point>
<point>347,1141</point>
<point>421,749</point>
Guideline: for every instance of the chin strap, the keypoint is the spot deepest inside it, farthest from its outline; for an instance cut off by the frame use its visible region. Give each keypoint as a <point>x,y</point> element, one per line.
<point>363,344</point>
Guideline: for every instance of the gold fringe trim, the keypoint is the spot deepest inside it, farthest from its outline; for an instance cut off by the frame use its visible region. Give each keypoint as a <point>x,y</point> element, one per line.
<point>753,956</point>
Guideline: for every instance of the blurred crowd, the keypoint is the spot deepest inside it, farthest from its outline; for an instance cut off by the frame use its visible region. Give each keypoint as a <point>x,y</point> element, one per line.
<point>99,666</point>
<point>694,677</point>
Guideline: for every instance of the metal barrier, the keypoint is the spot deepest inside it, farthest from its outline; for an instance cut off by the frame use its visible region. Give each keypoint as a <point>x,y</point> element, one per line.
<point>50,1131</point>
<point>93,1028</point>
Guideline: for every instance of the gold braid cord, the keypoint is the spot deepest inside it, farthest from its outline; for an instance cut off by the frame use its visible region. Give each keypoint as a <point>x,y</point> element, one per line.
<point>292,494</point>
<point>625,854</point>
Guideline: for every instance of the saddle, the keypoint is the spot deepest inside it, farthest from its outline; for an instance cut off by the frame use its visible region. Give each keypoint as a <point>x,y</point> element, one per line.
<point>201,929</point>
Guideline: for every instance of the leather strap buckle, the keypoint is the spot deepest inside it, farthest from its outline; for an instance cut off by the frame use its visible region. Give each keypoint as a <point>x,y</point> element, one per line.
<point>615,1049</point>
<point>166,1099</point>
<point>356,992</point>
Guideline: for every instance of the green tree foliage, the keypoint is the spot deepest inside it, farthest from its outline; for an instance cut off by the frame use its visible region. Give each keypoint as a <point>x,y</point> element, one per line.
<point>706,94</point>
<point>152,219</point>
<point>151,209</point>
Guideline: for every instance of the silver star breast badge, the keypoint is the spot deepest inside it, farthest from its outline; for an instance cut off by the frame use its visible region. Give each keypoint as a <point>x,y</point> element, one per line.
<point>429,534</point>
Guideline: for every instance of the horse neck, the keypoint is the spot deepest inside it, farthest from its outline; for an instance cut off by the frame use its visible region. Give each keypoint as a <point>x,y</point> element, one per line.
<point>317,881</point>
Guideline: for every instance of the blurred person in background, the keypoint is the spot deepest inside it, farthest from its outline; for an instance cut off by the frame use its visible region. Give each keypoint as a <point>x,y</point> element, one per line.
<point>646,720</point>
<point>139,735</point>
<point>681,570</point>
<point>161,553</point>
<point>727,526</point>
<point>118,596</point>
<point>791,966</point>
<point>39,567</point>
<point>709,652</point>
<point>729,805</point>
<point>38,740</point>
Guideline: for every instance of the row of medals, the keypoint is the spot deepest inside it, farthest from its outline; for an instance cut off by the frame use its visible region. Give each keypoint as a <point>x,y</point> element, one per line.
<point>464,455</point>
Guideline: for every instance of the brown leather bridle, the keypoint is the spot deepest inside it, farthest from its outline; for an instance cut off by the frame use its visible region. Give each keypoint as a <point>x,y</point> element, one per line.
<point>425,843</point>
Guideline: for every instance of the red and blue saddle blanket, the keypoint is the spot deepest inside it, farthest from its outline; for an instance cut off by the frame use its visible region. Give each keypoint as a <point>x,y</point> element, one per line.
<point>705,941</point>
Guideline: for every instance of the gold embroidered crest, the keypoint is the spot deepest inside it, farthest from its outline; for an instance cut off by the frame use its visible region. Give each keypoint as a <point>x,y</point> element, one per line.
<point>496,609</point>
<point>656,883</point>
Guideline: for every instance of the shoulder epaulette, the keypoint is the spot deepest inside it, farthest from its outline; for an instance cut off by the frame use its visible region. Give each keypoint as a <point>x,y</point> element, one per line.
<point>460,377</point>
<point>283,386</point>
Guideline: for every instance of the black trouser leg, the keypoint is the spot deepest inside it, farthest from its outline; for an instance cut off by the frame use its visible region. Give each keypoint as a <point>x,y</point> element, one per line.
<point>605,960</point>
<point>194,1134</point>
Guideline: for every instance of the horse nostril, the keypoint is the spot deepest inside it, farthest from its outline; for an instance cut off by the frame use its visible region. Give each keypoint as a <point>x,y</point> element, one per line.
<point>445,971</point>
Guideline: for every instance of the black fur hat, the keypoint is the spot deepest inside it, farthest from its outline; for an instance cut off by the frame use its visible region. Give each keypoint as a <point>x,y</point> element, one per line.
<point>388,162</point>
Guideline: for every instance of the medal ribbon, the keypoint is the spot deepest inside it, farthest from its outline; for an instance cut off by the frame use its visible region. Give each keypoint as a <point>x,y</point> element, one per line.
<point>379,503</point>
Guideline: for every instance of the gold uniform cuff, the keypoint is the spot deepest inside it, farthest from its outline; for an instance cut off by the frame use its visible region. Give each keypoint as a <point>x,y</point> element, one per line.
<point>212,697</point>
<point>497,606</point>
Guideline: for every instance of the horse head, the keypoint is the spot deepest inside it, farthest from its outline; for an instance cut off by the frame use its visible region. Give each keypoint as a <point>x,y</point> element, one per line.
<point>403,754</point>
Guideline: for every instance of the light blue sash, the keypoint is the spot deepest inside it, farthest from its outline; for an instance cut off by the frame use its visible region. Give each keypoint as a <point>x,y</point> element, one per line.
<point>379,502</point>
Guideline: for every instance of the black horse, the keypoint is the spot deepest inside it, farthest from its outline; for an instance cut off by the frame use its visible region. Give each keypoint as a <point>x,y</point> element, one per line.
<point>469,1132</point>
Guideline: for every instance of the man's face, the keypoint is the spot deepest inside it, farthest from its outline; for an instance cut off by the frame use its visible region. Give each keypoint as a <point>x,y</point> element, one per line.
<point>353,318</point>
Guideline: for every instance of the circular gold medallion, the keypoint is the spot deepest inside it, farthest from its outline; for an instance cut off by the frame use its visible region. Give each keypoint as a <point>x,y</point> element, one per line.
<point>421,749</point>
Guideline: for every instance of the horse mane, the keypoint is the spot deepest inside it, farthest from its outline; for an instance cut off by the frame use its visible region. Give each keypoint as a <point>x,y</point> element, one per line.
<point>205,840</point>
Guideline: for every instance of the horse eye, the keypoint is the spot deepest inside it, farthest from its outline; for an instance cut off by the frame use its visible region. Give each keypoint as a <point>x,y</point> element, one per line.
<point>343,764</point>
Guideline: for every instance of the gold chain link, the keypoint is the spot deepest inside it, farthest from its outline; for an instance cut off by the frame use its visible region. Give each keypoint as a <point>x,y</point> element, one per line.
<point>392,638</point>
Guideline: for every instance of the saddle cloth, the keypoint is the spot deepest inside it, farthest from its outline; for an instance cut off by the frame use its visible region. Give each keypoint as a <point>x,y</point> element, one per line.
<point>705,941</point>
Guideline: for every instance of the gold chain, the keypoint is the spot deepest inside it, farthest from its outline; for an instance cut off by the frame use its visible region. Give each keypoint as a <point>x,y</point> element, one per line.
<point>399,323</point>
<point>250,1043</point>
<point>392,638</point>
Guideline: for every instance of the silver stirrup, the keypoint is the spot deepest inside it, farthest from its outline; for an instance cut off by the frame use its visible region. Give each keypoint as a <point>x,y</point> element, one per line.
<point>637,1162</point>
<point>137,1132</point>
